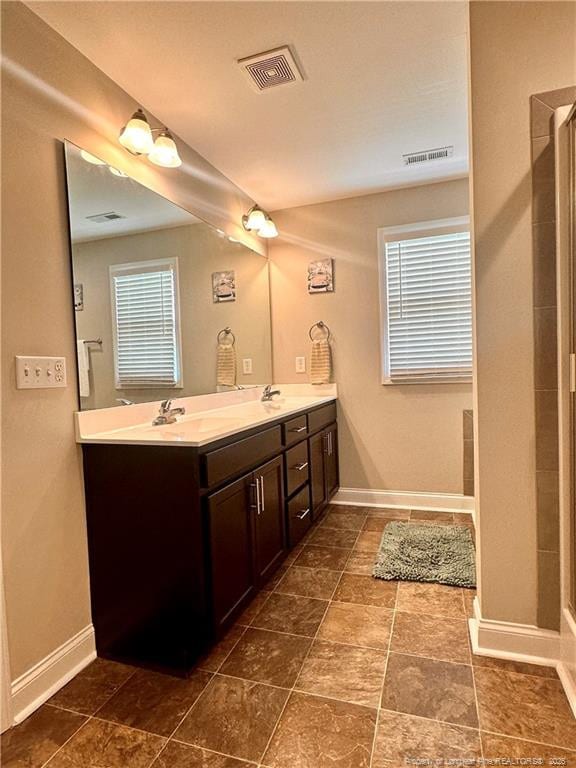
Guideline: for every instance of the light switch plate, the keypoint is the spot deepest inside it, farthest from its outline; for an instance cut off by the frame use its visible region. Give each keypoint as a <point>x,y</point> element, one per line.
<point>300,365</point>
<point>40,372</point>
<point>247,365</point>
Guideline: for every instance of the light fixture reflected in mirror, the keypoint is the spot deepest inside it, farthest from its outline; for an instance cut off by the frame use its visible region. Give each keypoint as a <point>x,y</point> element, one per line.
<point>257,220</point>
<point>117,172</point>
<point>136,136</point>
<point>92,159</point>
<point>165,152</point>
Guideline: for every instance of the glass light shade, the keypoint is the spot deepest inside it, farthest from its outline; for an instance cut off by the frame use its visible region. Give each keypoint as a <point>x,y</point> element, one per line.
<point>118,172</point>
<point>255,219</point>
<point>268,229</point>
<point>92,159</point>
<point>136,135</point>
<point>165,152</point>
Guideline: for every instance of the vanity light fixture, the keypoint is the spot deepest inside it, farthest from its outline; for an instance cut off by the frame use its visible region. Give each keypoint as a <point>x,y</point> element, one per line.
<point>257,220</point>
<point>137,138</point>
<point>164,152</point>
<point>117,172</point>
<point>268,229</point>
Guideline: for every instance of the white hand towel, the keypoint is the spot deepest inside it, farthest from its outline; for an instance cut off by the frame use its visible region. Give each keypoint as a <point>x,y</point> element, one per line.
<point>320,362</point>
<point>83,367</point>
<point>226,365</point>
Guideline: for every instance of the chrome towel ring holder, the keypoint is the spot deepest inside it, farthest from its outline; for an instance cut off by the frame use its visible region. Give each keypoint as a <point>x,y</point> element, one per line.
<point>321,326</point>
<point>225,332</point>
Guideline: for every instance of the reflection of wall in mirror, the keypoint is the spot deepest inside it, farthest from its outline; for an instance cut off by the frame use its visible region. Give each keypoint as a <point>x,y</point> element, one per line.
<point>199,254</point>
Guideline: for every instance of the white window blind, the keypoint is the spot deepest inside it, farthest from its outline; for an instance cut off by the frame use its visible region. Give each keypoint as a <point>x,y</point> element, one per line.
<point>146,324</point>
<point>427,312</point>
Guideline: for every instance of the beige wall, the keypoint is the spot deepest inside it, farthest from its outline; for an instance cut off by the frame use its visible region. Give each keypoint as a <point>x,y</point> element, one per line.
<point>50,92</point>
<point>402,438</point>
<point>200,252</point>
<point>516,49</point>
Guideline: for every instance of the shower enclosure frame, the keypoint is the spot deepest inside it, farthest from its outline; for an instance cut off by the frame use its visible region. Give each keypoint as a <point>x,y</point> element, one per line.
<point>565,170</point>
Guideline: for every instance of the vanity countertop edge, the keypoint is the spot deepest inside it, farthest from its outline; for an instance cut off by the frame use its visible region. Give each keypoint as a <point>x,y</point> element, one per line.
<point>208,419</point>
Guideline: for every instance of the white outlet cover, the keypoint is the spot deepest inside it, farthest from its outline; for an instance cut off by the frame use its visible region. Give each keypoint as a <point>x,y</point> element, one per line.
<point>300,365</point>
<point>247,366</point>
<point>40,372</point>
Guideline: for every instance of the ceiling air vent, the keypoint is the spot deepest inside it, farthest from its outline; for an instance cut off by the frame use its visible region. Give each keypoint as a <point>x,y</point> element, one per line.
<point>414,158</point>
<point>271,68</point>
<point>102,218</point>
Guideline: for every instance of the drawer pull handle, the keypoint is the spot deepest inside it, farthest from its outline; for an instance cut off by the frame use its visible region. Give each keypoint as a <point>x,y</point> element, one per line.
<point>298,429</point>
<point>300,467</point>
<point>303,514</point>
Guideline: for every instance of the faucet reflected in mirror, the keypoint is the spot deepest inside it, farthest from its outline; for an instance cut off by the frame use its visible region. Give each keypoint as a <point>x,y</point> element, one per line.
<point>143,277</point>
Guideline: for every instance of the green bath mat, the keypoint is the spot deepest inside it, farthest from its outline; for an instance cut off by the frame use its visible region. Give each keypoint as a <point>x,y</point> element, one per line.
<point>434,553</point>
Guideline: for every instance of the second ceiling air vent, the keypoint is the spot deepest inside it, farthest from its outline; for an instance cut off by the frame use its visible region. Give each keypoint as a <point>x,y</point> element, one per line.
<point>426,155</point>
<point>102,218</point>
<point>271,68</point>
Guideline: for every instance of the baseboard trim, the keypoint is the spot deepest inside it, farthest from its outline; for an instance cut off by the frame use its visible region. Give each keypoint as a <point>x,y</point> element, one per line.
<point>514,642</point>
<point>568,684</point>
<point>437,502</point>
<point>38,684</point>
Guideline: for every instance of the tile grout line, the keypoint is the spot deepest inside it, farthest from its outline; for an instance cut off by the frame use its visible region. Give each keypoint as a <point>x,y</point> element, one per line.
<point>61,747</point>
<point>379,705</point>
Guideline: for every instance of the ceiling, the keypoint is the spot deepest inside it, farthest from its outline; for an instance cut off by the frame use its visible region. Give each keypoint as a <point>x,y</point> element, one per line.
<point>93,190</point>
<point>380,79</point>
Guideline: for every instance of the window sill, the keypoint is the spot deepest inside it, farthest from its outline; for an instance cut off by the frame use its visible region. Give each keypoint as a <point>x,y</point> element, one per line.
<point>426,380</point>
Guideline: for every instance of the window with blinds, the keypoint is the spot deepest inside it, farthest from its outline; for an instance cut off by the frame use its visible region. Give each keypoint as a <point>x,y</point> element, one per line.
<point>426,302</point>
<point>146,324</point>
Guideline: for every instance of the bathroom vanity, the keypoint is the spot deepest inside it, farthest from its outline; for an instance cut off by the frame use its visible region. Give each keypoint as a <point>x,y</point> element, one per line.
<point>186,522</point>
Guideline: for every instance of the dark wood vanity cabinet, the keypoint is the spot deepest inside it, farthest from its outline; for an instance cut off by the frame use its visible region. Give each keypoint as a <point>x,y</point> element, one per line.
<point>324,476</point>
<point>181,538</point>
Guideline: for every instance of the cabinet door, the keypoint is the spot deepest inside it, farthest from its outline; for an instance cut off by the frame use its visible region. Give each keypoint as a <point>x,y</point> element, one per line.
<point>317,478</point>
<point>269,520</point>
<point>231,552</point>
<point>331,461</point>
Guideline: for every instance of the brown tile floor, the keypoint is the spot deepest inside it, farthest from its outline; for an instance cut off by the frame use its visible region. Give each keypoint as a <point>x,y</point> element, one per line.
<point>327,668</point>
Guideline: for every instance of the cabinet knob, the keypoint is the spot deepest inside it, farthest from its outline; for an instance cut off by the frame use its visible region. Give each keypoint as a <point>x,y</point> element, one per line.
<point>298,429</point>
<point>300,467</point>
<point>303,513</point>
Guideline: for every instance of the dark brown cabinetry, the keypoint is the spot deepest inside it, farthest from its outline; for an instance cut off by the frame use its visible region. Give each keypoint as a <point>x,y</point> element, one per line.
<point>231,524</point>
<point>269,519</point>
<point>324,474</point>
<point>181,538</point>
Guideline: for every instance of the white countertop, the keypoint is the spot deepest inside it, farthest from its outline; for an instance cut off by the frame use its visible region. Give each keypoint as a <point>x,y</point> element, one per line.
<point>208,417</point>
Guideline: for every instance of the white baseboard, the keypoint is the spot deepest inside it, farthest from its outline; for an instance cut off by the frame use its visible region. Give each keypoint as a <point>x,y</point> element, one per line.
<point>568,684</point>
<point>437,502</point>
<point>38,684</point>
<point>514,642</point>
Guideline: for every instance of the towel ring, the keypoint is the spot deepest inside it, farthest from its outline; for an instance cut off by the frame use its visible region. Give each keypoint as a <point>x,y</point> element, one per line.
<point>321,325</point>
<point>226,332</point>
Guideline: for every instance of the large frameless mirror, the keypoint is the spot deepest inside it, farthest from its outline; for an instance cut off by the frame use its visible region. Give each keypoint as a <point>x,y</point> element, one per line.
<point>166,306</point>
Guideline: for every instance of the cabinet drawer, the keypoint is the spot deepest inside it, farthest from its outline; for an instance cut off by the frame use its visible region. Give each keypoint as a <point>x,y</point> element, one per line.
<point>295,430</point>
<point>299,515</point>
<point>297,469</point>
<point>241,455</point>
<point>321,417</point>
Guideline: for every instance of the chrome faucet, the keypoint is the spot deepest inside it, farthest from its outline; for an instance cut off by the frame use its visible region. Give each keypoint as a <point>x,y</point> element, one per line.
<point>269,393</point>
<point>167,414</point>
